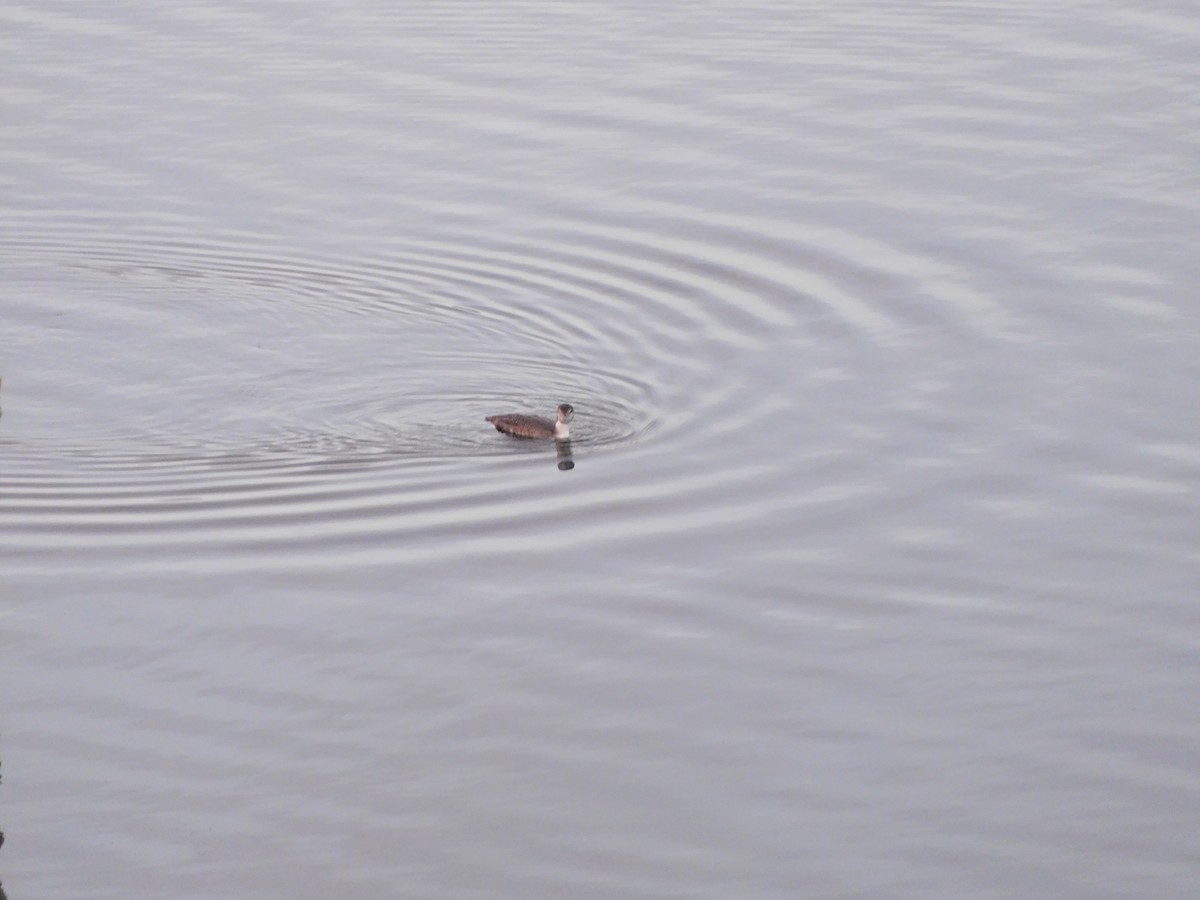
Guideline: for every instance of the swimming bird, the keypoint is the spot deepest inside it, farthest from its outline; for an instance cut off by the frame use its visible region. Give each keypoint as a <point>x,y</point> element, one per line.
<point>522,425</point>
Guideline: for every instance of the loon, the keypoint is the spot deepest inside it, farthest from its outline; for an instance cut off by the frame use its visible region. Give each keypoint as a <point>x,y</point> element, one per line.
<point>536,426</point>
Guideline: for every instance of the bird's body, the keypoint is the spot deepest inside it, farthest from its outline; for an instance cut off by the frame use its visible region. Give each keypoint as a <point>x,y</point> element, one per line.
<point>521,425</point>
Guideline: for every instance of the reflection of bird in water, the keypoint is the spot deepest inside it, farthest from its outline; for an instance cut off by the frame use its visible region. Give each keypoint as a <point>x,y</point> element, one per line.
<point>536,426</point>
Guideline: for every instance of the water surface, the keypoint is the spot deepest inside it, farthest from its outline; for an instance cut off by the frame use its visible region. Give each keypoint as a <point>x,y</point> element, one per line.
<point>873,575</point>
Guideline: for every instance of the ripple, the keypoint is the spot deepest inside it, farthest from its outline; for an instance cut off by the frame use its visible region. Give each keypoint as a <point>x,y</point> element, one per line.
<point>228,394</point>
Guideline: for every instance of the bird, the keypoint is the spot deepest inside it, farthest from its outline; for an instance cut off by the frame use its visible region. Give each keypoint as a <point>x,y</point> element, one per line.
<point>521,425</point>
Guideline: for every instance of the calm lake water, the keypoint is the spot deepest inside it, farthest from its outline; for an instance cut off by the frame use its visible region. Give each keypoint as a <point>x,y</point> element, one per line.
<point>871,569</point>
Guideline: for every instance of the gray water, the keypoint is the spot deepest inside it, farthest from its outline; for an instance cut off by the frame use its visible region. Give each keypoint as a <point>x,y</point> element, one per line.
<point>870,571</point>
